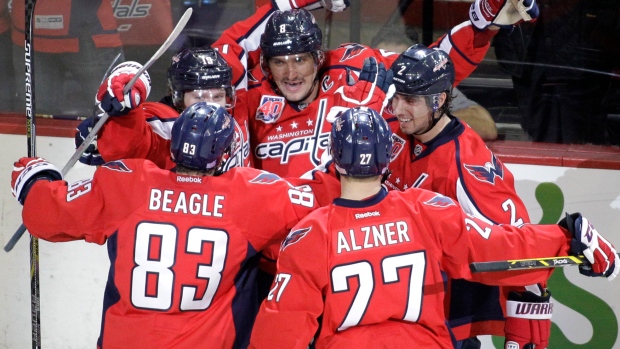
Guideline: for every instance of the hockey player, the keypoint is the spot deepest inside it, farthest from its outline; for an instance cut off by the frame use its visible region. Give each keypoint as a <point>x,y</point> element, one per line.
<point>192,69</point>
<point>289,106</point>
<point>303,84</point>
<point>195,75</point>
<point>368,270</point>
<point>433,150</point>
<point>297,84</point>
<point>182,243</point>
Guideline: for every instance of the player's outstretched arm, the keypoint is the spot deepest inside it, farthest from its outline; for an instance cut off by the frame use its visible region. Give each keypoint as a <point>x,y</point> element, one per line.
<point>502,13</point>
<point>467,43</point>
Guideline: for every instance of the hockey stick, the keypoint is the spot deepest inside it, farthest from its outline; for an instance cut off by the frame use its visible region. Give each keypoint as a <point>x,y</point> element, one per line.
<point>524,264</point>
<point>20,231</point>
<point>35,300</point>
<point>105,76</point>
<point>93,133</point>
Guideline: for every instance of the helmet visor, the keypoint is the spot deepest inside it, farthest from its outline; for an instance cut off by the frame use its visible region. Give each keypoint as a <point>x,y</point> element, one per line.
<point>224,97</point>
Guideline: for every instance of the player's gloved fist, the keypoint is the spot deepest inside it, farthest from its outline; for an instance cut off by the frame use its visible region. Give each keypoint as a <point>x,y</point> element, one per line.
<point>91,155</point>
<point>26,171</point>
<point>502,13</point>
<point>111,96</point>
<point>587,241</point>
<point>528,320</point>
<point>370,90</point>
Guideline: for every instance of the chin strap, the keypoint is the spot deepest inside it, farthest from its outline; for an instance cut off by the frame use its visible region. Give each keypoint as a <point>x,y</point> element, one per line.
<point>433,122</point>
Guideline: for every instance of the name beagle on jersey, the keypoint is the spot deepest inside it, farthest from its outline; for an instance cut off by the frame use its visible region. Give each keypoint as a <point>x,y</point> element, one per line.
<point>173,201</point>
<point>372,236</point>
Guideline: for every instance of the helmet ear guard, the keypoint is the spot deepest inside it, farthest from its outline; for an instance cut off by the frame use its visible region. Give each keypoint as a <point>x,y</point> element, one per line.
<point>435,102</point>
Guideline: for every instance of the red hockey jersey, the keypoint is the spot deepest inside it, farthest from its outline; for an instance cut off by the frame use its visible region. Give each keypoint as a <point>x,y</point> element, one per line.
<point>458,164</point>
<point>287,138</point>
<point>181,247</point>
<point>144,133</point>
<point>373,271</point>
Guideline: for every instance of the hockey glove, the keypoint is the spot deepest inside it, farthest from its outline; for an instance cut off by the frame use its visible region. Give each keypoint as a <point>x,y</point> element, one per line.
<point>373,89</point>
<point>110,95</point>
<point>528,320</point>
<point>26,171</point>
<point>587,241</point>
<point>91,155</point>
<point>502,13</point>
<point>331,5</point>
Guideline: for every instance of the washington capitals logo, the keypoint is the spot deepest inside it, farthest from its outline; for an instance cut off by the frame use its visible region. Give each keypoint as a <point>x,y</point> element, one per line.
<point>440,201</point>
<point>117,166</point>
<point>265,178</point>
<point>488,172</point>
<point>294,237</point>
<point>352,50</point>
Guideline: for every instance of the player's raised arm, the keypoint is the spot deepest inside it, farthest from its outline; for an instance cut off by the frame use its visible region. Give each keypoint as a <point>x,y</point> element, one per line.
<point>467,43</point>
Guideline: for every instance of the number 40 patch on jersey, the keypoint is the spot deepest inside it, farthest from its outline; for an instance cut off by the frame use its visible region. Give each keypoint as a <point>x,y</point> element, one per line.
<point>270,109</point>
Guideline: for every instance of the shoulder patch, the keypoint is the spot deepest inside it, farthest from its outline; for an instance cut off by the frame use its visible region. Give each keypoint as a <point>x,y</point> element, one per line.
<point>266,178</point>
<point>440,201</point>
<point>118,165</point>
<point>270,109</point>
<point>351,50</point>
<point>294,237</point>
<point>398,144</point>
<point>488,171</point>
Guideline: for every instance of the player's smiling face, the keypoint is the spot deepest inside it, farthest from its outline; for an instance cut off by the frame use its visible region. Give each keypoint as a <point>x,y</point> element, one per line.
<point>294,75</point>
<point>413,113</point>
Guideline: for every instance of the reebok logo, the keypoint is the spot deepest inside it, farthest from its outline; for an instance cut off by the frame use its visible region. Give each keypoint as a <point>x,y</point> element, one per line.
<point>367,214</point>
<point>189,179</point>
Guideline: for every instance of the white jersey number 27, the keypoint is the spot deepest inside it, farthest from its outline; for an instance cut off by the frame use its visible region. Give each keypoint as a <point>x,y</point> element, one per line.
<point>389,269</point>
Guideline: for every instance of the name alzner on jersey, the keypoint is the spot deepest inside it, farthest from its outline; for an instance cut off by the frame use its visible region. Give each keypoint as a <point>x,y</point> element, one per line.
<point>373,236</point>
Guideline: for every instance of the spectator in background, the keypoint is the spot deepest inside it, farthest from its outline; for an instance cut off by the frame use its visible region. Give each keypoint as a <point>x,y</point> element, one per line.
<point>74,43</point>
<point>560,67</point>
<point>6,66</point>
<point>398,39</point>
